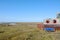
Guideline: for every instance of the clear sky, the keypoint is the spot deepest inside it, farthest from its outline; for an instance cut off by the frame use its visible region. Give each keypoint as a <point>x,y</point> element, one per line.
<point>28,10</point>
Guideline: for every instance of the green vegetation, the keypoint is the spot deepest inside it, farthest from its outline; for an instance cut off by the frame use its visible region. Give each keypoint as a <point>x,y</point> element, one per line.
<point>24,31</point>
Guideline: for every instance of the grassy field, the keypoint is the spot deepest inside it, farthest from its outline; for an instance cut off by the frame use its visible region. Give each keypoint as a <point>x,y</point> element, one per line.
<point>26,31</point>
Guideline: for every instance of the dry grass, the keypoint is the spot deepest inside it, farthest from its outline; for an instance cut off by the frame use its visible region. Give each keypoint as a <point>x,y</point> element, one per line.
<point>25,31</point>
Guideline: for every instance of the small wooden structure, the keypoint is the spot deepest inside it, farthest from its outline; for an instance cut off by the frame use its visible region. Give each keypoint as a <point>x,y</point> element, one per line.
<point>50,24</point>
<point>50,27</point>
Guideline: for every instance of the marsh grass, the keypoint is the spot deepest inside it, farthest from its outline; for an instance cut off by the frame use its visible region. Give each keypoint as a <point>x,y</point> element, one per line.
<point>24,32</point>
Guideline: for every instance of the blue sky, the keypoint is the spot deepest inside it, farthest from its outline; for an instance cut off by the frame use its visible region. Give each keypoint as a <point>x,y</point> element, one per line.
<point>28,10</point>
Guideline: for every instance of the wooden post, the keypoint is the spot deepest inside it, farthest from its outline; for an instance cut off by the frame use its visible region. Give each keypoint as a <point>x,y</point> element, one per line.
<point>40,26</point>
